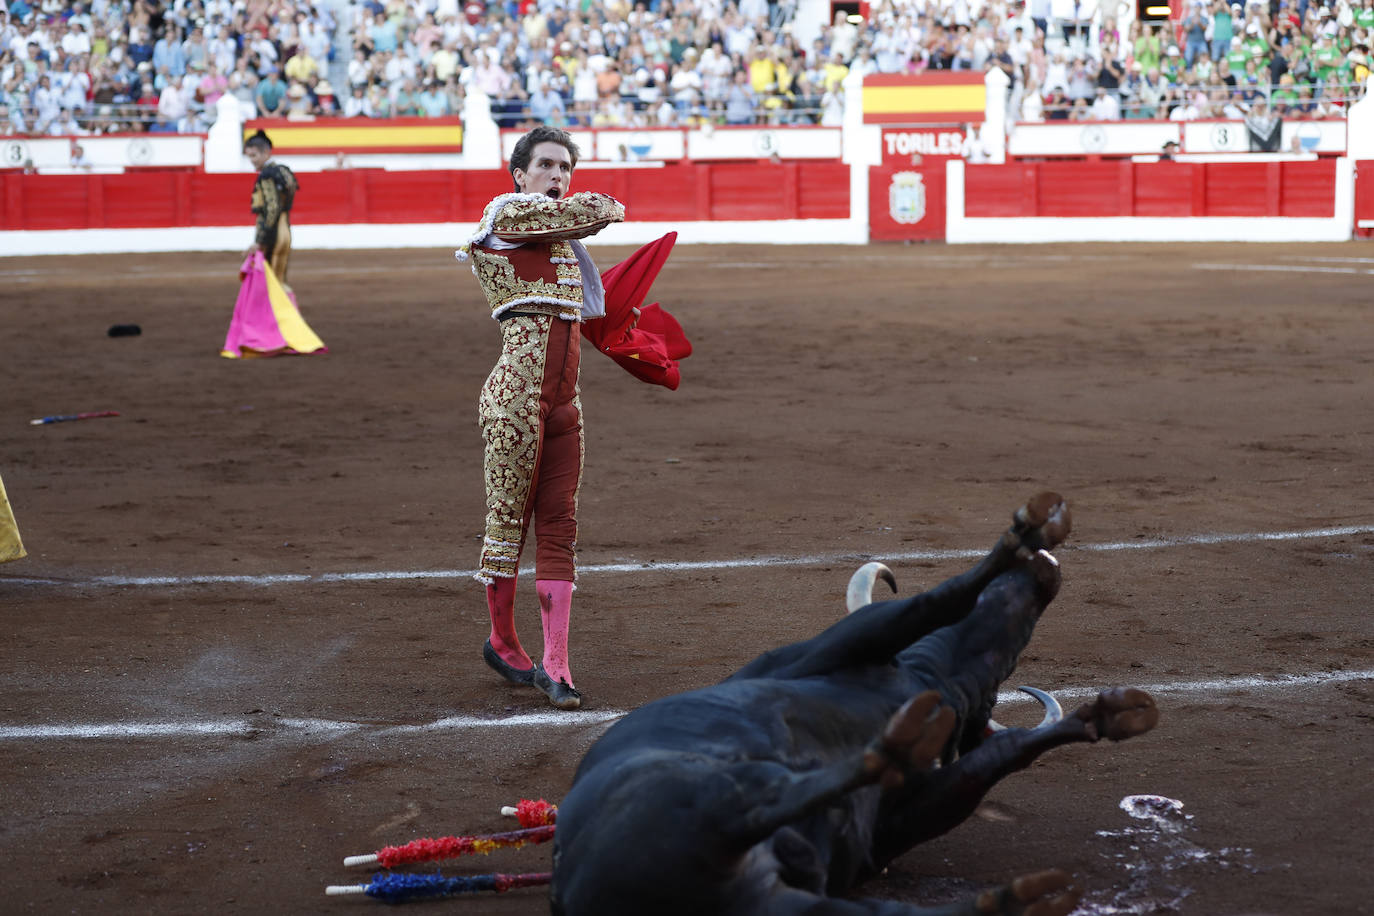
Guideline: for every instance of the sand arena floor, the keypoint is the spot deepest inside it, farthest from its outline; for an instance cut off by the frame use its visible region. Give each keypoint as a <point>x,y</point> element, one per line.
<point>244,646</point>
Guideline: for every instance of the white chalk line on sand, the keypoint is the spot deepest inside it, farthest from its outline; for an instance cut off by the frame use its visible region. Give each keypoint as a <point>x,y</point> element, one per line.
<point>686,566</point>
<point>1284,268</point>
<point>324,729</point>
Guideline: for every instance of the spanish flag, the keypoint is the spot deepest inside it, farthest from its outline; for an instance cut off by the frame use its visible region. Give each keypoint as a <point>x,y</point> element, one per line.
<point>361,135</point>
<point>933,97</point>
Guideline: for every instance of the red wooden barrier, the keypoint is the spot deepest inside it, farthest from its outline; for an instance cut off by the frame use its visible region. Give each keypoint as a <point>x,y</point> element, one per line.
<point>685,192</point>
<point>1300,188</point>
<point>1364,197</point>
<point>674,193</point>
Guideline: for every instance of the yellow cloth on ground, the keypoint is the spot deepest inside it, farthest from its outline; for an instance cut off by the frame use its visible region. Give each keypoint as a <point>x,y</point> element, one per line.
<point>11,548</point>
<point>294,330</point>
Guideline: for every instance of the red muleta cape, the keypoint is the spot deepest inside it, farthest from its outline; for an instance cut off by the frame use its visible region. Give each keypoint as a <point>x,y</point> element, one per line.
<point>649,351</point>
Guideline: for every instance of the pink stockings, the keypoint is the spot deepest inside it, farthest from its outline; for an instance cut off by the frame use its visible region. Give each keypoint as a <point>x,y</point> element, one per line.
<point>555,605</point>
<point>501,609</point>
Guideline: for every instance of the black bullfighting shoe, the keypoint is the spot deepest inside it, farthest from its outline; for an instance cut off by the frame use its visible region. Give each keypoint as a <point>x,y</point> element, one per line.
<point>560,693</point>
<point>505,669</point>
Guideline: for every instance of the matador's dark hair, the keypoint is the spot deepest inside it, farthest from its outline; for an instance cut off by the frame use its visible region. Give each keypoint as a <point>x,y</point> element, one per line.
<point>259,141</point>
<point>524,149</point>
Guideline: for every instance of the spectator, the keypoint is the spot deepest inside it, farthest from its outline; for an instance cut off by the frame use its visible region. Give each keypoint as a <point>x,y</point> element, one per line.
<point>173,104</point>
<point>740,102</point>
<point>835,72</point>
<point>406,104</point>
<point>196,50</point>
<point>169,55</point>
<point>1057,72</point>
<point>546,106</point>
<point>1196,24</point>
<point>433,100</point>
<point>302,68</point>
<point>844,37</point>
<point>270,94</point>
<point>297,104</point>
<point>684,86</point>
<point>359,71</point>
<point>1082,80</point>
<point>1223,28</point>
<point>1032,103</point>
<point>1057,105</point>
<point>76,42</point>
<point>75,87</point>
<point>1001,59</point>
<point>66,125</point>
<point>243,86</point>
<point>1105,107</point>
<point>315,39</point>
<point>1112,71</point>
<point>381,34</point>
<point>1150,95</point>
<point>326,104</point>
<point>832,108</point>
<point>453,91</point>
<point>211,86</point>
<point>45,104</point>
<point>379,101</point>
<point>444,61</point>
<point>357,104</point>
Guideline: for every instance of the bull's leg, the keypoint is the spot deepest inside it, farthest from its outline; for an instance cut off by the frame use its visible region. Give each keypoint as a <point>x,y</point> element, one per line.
<point>910,743</point>
<point>1046,893</point>
<point>874,634</point>
<point>942,799</point>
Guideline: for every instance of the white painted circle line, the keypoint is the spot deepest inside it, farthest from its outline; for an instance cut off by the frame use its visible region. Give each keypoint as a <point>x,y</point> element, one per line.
<point>1220,690</point>
<point>683,566</point>
<point>308,728</point>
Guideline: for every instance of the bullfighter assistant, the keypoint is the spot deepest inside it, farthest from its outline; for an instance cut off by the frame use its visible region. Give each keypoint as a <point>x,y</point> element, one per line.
<point>540,283</point>
<point>274,193</point>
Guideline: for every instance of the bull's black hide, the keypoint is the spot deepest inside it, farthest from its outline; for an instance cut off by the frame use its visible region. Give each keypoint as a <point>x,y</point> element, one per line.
<point>783,788</point>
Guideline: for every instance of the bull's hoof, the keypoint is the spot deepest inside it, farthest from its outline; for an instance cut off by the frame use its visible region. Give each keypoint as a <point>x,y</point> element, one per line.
<point>560,693</point>
<point>1043,523</point>
<point>1120,713</point>
<point>911,741</point>
<point>1044,893</point>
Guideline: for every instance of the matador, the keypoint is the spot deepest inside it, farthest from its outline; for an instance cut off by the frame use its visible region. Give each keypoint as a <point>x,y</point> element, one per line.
<point>540,283</point>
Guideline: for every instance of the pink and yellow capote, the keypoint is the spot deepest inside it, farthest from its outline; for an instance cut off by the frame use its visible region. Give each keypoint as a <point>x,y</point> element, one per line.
<point>266,320</point>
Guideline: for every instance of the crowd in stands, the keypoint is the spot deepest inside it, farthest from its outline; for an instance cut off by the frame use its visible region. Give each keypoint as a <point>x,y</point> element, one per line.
<point>72,67</point>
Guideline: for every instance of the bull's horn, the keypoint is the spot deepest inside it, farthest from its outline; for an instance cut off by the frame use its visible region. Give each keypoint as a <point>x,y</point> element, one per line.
<point>861,584</point>
<point>1053,711</point>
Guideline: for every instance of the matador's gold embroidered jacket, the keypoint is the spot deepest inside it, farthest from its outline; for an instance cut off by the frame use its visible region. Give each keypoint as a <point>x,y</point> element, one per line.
<point>541,276</point>
<point>274,193</point>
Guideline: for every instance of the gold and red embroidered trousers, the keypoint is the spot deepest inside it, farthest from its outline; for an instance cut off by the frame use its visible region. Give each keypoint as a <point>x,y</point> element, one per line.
<point>531,418</point>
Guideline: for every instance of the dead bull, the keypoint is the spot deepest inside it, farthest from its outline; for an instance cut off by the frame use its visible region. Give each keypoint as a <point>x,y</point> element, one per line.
<point>783,788</point>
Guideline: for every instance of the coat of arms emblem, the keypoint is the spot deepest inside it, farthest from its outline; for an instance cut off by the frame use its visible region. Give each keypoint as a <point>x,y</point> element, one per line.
<point>906,198</point>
